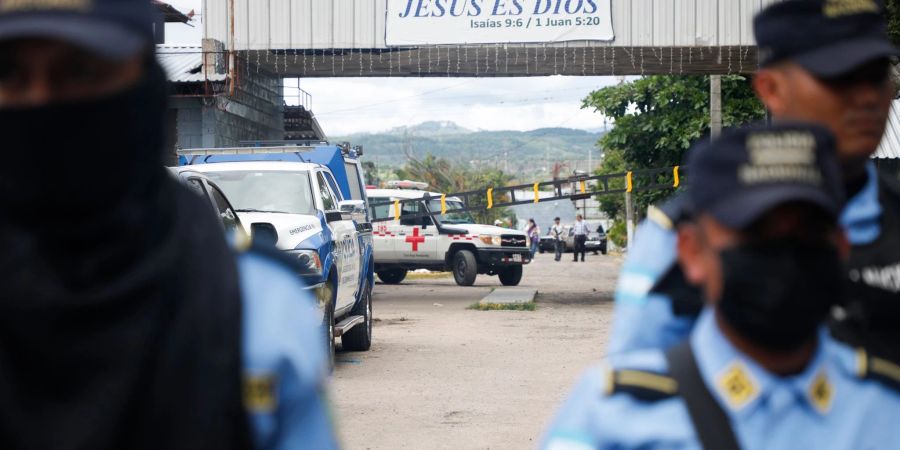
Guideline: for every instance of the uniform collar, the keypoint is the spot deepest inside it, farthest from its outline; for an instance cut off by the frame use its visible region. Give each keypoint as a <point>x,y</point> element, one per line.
<point>742,386</point>
<point>863,211</point>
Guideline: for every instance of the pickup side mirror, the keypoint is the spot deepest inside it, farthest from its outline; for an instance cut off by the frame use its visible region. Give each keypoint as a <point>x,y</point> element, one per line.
<point>352,206</point>
<point>353,209</point>
<point>263,233</point>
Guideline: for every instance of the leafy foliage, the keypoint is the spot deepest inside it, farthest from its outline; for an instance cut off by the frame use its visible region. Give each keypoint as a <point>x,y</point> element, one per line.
<point>530,306</point>
<point>618,234</point>
<point>893,17</point>
<point>657,119</point>
<point>370,172</point>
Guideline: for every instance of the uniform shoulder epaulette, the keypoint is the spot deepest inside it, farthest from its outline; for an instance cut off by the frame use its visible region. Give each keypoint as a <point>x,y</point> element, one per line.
<point>658,216</point>
<point>878,369</point>
<point>670,213</point>
<point>642,385</point>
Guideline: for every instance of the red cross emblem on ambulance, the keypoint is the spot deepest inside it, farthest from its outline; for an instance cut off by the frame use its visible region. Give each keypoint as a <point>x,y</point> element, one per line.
<point>415,239</point>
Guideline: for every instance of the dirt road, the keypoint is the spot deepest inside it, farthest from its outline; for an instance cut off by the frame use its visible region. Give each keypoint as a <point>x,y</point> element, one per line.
<point>442,376</point>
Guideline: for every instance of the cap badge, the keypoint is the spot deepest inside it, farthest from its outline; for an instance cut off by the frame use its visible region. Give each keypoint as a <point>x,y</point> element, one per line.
<point>737,386</point>
<point>781,157</point>
<point>8,6</point>
<point>838,8</point>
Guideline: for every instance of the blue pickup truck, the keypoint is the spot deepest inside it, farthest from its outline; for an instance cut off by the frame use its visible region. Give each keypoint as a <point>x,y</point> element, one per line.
<point>309,199</point>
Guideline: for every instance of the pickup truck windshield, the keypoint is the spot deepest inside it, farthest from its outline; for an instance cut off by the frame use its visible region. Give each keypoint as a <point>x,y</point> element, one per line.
<point>267,191</point>
<point>451,218</point>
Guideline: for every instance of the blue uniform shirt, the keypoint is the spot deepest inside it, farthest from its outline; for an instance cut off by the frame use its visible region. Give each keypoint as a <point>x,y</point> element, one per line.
<point>827,406</point>
<point>645,320</point>
<point>284,359</point>
<point>862,215</point>
<point>642,319</point>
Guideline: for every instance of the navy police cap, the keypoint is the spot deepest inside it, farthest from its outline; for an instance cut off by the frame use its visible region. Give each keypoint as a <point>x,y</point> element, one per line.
<point>828,38</point>
<point>114,29</point>
<point>749,171</point>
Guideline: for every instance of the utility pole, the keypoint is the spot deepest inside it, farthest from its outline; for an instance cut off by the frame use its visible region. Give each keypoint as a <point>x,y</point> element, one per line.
<point>715,105</point>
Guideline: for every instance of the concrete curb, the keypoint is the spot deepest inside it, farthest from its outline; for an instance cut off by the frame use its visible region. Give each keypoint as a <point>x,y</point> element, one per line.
<point>509,296</point>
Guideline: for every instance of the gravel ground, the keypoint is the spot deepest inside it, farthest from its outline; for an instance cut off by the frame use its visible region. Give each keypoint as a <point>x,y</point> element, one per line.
<point>442,376</point>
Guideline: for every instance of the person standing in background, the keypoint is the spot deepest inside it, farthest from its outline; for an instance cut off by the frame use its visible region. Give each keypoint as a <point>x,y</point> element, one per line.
<point>556,231</point>
<point>580,229</point>
<point>534,234</point>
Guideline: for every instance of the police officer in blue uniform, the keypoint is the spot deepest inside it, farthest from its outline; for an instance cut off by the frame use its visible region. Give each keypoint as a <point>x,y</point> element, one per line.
<point>821,61</point>
<point>126,320</point>
<point>758,370</point>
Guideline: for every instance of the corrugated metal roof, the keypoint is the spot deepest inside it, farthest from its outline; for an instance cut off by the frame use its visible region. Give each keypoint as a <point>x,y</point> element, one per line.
<point>171,14</point>
<point>890,143</point>
<point>185,64</point>
<point>321,24</point>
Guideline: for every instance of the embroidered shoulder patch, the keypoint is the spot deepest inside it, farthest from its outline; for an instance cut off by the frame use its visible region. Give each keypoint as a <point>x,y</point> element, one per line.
<point>821,392</point>
<point>738,386</point>
<point>260,393</point>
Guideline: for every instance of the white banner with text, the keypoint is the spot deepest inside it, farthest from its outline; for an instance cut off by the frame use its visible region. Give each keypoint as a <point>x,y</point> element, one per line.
<point>434,22</point>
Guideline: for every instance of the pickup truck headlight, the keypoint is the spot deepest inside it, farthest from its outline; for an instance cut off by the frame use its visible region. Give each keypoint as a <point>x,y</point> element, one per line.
<point>309,260</point>
<point>491,240</point>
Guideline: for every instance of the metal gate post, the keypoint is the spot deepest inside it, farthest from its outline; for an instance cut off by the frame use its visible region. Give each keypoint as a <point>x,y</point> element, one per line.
<point>629,219</point>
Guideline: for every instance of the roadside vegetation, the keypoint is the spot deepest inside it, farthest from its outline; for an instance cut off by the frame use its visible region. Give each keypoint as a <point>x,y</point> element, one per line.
<point>428,275</point>
<point>530,306</point>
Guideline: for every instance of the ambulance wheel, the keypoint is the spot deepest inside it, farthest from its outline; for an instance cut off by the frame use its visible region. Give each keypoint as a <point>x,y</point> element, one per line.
<point>392,276</point>
<point>511,276</point>
<point>359,338</point>
<point>465,268</point>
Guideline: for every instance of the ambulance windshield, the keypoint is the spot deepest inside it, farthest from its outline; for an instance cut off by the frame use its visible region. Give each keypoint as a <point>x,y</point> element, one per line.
<point>451,218</point>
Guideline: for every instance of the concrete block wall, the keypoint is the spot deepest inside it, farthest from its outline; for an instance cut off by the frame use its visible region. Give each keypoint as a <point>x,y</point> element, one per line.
<point>254,112</point>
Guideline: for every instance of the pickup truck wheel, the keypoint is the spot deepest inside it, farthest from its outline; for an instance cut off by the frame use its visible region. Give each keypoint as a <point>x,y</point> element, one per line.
<point>329,292</point>
<point>465,268</point>
<point>359,338</point>
<point>392,276</point>
<point>511,276</point>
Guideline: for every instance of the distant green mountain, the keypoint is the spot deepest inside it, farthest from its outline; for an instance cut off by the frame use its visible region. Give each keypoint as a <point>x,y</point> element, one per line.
<point>525,152</point>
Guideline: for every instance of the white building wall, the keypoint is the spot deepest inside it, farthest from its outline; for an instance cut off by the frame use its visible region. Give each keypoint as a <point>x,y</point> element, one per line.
<point>359,24</point>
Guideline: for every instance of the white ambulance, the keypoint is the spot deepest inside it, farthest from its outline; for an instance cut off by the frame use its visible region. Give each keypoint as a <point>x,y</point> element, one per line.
<point>450,242</point>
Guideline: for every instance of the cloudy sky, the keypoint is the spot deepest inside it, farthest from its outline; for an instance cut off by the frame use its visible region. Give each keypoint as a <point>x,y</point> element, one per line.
<point>351,105</point>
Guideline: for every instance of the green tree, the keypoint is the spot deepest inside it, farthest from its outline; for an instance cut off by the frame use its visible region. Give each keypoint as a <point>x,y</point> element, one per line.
<point>893,18</point>
<point>657,119</point>
<point>370,173</point>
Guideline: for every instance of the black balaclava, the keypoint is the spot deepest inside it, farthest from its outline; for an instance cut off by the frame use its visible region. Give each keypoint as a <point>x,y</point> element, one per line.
<point>119,299</point>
